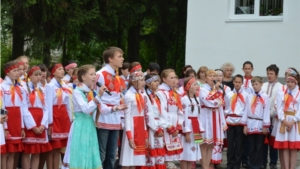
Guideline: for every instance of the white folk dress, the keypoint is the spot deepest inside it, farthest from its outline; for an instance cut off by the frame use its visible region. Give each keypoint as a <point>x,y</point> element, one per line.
<point>157,150</point>
<point>213,120</point>
<point>135,127</point>
<point>191,151</point>
<point>175,118</point>
<point>2,134</point>
<point>255,121</point>
<point>18,114</point>
<point>288,139</point>
<point>59,116</point>
<point>36,102</point>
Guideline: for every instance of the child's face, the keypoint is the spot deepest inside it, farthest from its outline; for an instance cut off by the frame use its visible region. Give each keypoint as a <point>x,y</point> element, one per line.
<point>117,60</point>
<point>194,88</point>
<point>90,77</point>
<point>271,76</point>
<point>21,70</point>
<point>238,82</point>
<point>219,77</point>
<point>70,71</point>
<point>26,64</point>
<point>43,75</point>
<point>210,79</point>
<point>141,84</point>
<point>59,72</point>
<point>125,72</point>
<point>171,79</point>
<point>35,78</point>
<point>154,85</point>
<point>291,84</point>
<point>256,86</point>
<point>247,69</point>
<point>13,74</point>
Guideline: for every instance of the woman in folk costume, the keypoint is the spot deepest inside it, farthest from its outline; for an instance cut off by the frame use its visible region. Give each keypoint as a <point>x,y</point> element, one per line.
<point>212,118</point>
<point>83,137</point>
<point>192,128</point>
<point>15,102</point>
<point>288,130</point>
<point>3,119</point>
<point>35,141</point>
<point>137,115</point>
<point>171,102</point>
<point>59,112</point>
<point>156,150</point>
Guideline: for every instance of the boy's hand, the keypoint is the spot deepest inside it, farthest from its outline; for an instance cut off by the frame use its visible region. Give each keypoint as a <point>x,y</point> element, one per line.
<point>245,130</point>
<point>265,130</point>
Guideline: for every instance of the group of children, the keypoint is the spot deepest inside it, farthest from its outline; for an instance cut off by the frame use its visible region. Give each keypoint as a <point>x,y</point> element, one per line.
<point>161,119</point>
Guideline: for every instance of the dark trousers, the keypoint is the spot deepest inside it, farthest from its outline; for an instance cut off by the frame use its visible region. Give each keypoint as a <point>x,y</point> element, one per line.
<point>256,143</point>
<point>245,158</point>
<point>117,165</point>
<point>108,143</point>
<point>235,137</point>
<point>273,153</point>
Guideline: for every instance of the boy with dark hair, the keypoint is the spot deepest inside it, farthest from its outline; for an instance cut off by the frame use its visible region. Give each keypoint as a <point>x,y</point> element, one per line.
<point>235,101</point>
<point>256,121</point>
<point>153,68</point>
<point>271,88</point>
<point>125,74</point>
<point>248,68</point>
<point>108,125</point>
<point>247,87</point>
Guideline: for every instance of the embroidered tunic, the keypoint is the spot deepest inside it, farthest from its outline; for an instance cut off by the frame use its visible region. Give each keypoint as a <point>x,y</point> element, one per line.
<point>288,107</point>
<point>136,118</point>
<point>192,126</point>
<point>171,102</point>
<point>257,113</point>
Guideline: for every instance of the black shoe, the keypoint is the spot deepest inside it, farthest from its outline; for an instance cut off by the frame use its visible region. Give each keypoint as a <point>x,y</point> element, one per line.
<point>273,166</point>
<point>245,165</point>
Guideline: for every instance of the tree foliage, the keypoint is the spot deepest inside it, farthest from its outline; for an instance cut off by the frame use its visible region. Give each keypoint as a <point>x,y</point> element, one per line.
<point>81,29</point>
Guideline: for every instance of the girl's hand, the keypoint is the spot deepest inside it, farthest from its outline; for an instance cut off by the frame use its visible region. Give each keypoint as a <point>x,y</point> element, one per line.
<point>22,133</point>
<point>159,134</point>
<point>121,107</point>
<point>187,137</point>
<point>146,143</point>
<point>36,130</point>
<point>102,90</point>
<point>41,128</point>
<point>132,144</point>
<point>175,133</point>
<point>245,130</point>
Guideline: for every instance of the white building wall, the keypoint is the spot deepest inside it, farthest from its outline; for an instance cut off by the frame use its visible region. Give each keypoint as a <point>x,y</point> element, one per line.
<point>211,41</point>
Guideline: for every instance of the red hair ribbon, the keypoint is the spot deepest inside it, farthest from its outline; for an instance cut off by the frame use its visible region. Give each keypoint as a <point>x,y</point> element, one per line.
<point>135,68</point>
<point>21,63</point>
<point>11,68</point>
<point>56,67</point>
<point>33,69</point>
<point>189,84</point>
<point>293,79</point>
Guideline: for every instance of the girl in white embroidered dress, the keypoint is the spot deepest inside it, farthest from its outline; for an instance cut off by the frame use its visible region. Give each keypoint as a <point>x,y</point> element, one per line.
<point>35,141</point>
<point>288,131</point>
<point>171,102</point>
<point>157,151</point>
<point>3,119</point>
<point>135,137</point>
<point>15,102</point>
<point>59,113</point>
<point>192,129</point>
<point>212,118</point>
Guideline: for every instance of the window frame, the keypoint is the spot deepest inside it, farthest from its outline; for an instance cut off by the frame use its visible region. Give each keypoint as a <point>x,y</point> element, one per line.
<point>232,17</point>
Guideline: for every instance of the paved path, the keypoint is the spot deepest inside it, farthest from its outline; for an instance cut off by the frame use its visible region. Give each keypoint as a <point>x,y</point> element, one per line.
<point>223,164</point>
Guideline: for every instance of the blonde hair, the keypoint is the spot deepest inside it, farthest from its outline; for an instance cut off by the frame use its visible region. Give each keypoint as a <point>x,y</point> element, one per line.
<point>82,70</point>
<point>257,79</point>
<point>23,57</point>
<point>165,73</point>
<point>226,66</point>
<point>210,71</point>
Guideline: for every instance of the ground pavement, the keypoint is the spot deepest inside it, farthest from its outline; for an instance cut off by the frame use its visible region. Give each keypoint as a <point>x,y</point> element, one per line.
<point>223,164</point>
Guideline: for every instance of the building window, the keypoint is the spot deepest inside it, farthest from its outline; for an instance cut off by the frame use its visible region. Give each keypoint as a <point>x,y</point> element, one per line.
<point>255,10</point>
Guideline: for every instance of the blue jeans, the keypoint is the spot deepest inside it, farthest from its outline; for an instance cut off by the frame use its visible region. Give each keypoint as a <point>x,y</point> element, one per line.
<point>108,143</point>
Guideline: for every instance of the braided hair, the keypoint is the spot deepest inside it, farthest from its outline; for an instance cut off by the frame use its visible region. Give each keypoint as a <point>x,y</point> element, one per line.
<point>193,107</point>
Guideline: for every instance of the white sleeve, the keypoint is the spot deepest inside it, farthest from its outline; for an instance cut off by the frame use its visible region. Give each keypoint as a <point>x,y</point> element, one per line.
<point>82,104</point>
<point>128,117</point>
<point>266,118</point>
<point>26,115</point>
<point>186,128</point>
<point>207,102</point>
<point>45,115</point>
